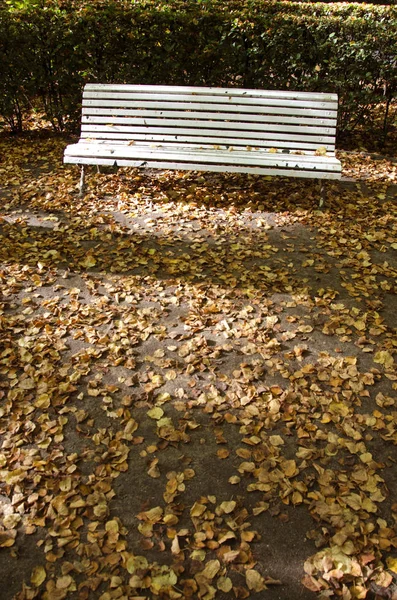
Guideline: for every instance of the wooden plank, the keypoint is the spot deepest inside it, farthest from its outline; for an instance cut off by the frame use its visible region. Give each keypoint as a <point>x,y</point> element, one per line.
<point>199,167</point>
<point>176,99</point>
<point>191,142</point>
<point>315,139</point>
<point>159,104</point>
<point>99,115</point>
<point>205,126</point>
<point>127,149</point>
<point>328,96</point>
<point>206,156</point>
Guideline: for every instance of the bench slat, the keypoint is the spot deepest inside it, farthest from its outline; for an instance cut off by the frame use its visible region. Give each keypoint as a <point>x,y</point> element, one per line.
<point>207,156</point>
<point>160,124</point>
<point>272,110</point>
<point>220,102</point>
<point>255,139</point>
<point>191,142</point>
<point>226,100</point>
<point>99,115</point>
<point>214,91</point>
<point>214,168</point>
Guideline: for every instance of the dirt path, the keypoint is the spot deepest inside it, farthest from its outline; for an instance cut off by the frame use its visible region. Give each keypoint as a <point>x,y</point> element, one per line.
<point>198,389</point>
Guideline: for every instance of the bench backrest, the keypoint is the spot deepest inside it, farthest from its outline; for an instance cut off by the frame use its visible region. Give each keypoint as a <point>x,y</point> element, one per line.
<point>208,117</point>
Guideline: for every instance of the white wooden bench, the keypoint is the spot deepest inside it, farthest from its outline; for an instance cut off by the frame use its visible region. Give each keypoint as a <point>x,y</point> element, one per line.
<point>232,130</point>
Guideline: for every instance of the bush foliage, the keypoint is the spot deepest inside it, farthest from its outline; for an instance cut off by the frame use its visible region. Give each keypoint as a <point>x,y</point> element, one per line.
<point>48,50</point>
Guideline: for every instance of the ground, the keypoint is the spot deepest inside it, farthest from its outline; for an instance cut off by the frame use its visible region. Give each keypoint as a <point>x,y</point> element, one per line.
<point>198,383</point>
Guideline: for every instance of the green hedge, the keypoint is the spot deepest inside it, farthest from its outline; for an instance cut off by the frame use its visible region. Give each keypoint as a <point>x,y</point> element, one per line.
<point>48,52</point>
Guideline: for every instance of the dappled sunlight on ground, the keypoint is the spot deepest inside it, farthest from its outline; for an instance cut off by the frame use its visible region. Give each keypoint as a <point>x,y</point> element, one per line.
<point>198,382</point>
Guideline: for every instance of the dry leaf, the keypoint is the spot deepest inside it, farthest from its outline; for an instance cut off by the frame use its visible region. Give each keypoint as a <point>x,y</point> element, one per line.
<point>224,584</point>
<point>255,581</point>
<point>155,413</point>
<point>227,507</point>
<point>38,576</point>
<point>321,151</point>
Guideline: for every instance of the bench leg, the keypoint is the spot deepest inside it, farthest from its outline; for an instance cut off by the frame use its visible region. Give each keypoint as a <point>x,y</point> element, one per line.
<point>322,193</point>
<point>82,183</point>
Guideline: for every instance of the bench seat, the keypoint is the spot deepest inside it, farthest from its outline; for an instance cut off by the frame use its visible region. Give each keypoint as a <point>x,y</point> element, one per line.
<point>231,160</point>
<point>208,129</point>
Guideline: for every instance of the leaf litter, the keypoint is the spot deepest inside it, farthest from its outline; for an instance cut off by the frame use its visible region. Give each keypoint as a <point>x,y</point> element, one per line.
<point>186,359</point>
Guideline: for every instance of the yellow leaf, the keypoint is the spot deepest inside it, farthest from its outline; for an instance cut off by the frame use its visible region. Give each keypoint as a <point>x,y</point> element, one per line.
<point>197,509</point>
<point>354,501</point>
<point>155,413</point>
<point>11,521</point>
<point>66,484</point>
<point>88,262</point>
<point>254,580</point>
<point>164,397</point>
<point>7,538</point>
<point>229,535</point>
<point>369,506</point>
<point>247,536</point>
<point>163,581</point>
<point>305,328</point>
<point>234,479</point>
<point>131,427</point>
<point>153,515</point>
<point>392,564</point>
<point>64,582</point>
<point>224,584</point>
<point>15,476</point>
<point>276,440</point>
<point>136,563</point>
<point>321,151</point>
<point>42,401</point>
<point>289,468</point>
<point>153,470</point>
<point>366,457</point>
<point>112,526</point>
<point>211,569</point>
<point>253,440</point>
<point>198,555</point>
<point>227,507</point>
<point>246,467</point>
<point>230,556</point>
<point>38,576</point>
<point>384,358</point>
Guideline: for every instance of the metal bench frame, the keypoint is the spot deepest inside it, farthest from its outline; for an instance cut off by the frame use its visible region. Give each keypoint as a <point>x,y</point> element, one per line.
<point>233,130</point>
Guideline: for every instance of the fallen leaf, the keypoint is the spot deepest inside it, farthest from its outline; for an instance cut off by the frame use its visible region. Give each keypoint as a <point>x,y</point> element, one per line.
<point>255,581</point>
<point>38,576</point>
